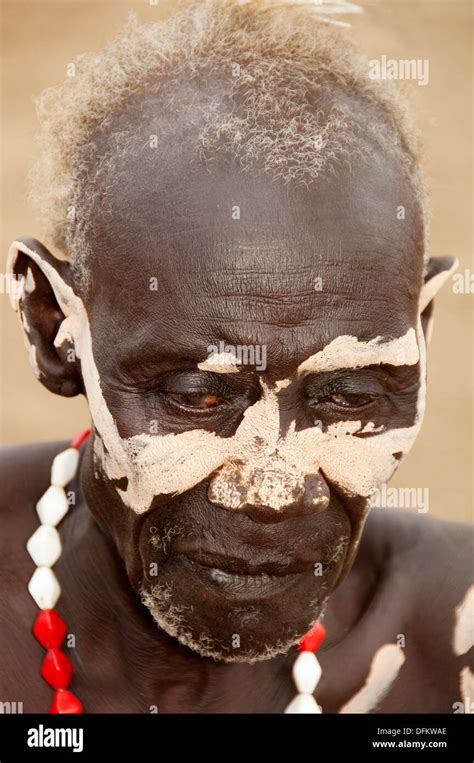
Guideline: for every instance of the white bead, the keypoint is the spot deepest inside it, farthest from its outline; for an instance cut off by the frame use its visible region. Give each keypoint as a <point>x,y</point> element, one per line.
<point>44,546</point>
<point>303,703</point>
<point>64,467</point>
<point>52,506</point>
<point>306,672</point>
<point>44,588</point>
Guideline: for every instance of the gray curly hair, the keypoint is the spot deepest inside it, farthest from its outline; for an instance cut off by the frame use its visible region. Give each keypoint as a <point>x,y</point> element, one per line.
<point>276,63</point>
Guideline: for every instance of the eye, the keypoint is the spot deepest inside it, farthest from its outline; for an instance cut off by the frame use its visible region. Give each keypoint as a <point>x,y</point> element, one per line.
<point>195,401</point>
<point>347,401</point>
<point>187,394</point>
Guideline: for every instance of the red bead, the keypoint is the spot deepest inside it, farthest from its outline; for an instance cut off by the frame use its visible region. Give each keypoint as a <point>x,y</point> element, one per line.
<point>49,628</point>
<point>312,640</point>
<point>64,701</point>
<point>57,669</point>
<point>80,438</point>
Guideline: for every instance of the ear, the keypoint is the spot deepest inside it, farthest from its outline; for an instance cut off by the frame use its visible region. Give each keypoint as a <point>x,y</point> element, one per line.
<point>437,272</point>
<point>41,282</point>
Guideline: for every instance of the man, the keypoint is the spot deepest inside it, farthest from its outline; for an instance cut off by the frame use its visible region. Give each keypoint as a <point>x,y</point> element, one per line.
<point>246,307</point>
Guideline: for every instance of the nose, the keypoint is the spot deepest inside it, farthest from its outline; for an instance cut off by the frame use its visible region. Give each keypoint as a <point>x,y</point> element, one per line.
<point>271,493</point>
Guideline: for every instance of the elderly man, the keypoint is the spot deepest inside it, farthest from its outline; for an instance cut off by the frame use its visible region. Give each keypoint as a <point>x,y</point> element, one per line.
<point>246,306</point>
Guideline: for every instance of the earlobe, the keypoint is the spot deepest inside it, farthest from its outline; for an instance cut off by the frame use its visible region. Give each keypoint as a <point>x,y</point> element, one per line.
<point>40,278</point>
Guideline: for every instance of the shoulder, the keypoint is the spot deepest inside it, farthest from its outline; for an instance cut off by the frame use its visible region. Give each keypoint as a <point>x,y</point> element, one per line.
<point>24,471</point>
<point>429,555</point>
<point>426,593</point>
<point>438,549</point>
<point>429,564</point>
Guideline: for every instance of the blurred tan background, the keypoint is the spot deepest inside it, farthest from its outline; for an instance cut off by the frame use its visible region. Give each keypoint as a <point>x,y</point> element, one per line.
<point>41,38</point>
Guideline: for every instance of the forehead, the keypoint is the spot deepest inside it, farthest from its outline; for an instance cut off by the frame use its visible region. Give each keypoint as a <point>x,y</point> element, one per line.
<point>191,253</point>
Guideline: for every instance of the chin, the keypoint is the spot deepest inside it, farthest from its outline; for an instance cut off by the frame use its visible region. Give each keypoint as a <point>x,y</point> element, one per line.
<point>236,618</point>
<point>233,589</point>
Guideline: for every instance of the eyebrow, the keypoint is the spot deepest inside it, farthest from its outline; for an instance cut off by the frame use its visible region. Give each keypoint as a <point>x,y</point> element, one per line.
<point>349,352</point>
<point>149,351</point>
<point>343,352</point>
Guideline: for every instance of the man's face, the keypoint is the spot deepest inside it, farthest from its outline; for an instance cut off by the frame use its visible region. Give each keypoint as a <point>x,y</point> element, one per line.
<point>236,486</point>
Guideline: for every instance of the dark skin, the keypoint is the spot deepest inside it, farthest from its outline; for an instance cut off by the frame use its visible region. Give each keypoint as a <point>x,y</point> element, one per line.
<point>247,282</point>
<point>124,663</point>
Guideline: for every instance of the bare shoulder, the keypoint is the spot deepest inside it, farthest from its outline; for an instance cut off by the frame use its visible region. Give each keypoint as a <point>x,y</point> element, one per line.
<point>25,469</point>
<point>430,564</point>
<point>434,555</point>
<point>440,547</point>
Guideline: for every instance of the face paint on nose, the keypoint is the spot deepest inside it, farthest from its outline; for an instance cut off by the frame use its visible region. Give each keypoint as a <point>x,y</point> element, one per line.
<point>263,468</point>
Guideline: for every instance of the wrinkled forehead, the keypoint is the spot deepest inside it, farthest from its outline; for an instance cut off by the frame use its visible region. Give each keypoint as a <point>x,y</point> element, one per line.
<point>190,254</point>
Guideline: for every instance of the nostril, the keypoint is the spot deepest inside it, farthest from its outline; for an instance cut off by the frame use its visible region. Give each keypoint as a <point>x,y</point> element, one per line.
<point>270,492</point>
<point>316,493</point>
<point>313,499</point>
<point>265,515</point>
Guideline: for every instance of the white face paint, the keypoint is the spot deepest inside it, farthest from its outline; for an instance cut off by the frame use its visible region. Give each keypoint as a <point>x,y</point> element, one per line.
<point>221,363</point>
<point>464,627</point>
<point>384,669</point>
<point>28,285</point>
<point>349,352</point>
<point>24,322</point>
<point>463,641</point>
<point>272,467</point>
<point>466,685</point>
<point>33,361</point>
<point>429,290</point>
<point>431,287</point>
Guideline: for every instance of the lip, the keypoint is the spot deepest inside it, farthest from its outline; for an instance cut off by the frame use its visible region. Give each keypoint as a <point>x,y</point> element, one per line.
<point>242,567</point>
<point>241,585</point>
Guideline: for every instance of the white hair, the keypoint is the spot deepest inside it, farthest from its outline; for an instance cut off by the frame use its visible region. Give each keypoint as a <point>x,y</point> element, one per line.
<point>280,70</point>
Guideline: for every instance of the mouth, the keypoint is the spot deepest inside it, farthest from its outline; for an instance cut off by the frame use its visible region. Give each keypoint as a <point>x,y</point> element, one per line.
<point>238,579</point>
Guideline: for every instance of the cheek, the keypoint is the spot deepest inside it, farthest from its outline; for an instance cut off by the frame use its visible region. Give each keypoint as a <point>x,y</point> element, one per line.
<point>359,464</point>
<point>155,465</point>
